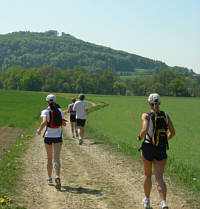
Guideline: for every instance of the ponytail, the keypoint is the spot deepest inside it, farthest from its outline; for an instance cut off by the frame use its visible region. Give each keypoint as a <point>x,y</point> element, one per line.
<point>156,107</point>
<point>52,105</point>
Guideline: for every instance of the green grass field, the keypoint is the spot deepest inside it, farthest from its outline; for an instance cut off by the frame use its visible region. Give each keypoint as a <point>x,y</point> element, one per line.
<point>119,123</point>
<point>21,109</point>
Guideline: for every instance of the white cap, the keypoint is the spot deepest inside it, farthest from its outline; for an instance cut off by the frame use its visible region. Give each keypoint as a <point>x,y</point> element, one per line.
<point>154,98</point>
<point>51,98</point>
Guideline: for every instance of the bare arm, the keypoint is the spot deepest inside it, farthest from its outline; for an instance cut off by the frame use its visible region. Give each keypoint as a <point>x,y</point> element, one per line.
<point>68,109</point>
<point>145,126</point>
<point>171,129</point>
<point>86,107</point>
<point>42,125</point>
<point>74,107</point>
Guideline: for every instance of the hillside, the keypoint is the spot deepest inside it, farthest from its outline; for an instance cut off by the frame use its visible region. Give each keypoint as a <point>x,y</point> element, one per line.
<point>32,49</point>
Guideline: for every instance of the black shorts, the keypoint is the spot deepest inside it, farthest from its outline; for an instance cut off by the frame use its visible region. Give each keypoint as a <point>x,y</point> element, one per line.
<point>80,122</point>
<point>48,140</point>
<point>151,152</point>
<point>73,118</point>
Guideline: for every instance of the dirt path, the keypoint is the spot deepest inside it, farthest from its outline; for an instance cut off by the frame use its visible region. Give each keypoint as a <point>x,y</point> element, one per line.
<point>92,178</point>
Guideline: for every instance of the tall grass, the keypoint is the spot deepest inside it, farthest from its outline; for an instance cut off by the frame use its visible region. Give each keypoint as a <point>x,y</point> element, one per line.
<point>119,123</point>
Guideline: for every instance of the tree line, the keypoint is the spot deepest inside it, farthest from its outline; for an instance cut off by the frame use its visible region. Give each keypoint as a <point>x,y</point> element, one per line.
<point>80,79</point>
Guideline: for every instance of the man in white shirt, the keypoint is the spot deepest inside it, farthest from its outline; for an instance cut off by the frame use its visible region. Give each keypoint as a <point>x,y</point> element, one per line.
<point>81,108</point>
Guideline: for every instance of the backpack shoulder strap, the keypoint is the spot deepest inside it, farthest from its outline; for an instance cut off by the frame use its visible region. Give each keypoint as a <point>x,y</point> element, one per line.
<point>148,137</point>
<point>150,114</point>
<point>166,116</point>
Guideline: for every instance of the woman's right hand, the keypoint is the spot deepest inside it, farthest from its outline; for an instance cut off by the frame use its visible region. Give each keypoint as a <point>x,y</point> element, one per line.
<point>38,131</point>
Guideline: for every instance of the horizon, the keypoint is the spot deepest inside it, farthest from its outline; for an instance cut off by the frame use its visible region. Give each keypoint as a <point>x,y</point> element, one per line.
<point>164,31</point>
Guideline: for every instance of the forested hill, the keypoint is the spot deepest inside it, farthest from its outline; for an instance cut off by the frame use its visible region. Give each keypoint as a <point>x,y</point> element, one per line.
<point>31,49</point>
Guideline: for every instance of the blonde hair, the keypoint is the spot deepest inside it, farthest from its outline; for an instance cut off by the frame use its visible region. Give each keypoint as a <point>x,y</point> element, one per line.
<point>155,106</point>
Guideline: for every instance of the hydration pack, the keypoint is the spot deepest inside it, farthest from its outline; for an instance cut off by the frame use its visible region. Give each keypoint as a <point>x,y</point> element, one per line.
<point>160,127</point>
<point>55,117</point>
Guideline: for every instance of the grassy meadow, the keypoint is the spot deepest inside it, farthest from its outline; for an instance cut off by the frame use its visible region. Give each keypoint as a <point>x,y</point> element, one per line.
<point>119,124</point>
<point>20,110</point>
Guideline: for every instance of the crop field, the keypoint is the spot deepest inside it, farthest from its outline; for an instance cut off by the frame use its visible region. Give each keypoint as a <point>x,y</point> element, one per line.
<point>119,123</point>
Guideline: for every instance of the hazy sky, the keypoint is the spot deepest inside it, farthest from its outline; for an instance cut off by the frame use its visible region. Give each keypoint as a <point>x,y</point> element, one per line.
<point>166,30</point>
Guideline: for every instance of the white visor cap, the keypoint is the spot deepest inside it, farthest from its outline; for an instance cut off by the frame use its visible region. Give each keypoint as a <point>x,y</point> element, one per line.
<point>154,98</point>
<point>51,98</point>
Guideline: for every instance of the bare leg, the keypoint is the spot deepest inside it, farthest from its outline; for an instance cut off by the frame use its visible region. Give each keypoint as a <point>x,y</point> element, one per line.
<point>161,186</point>
<point>81,128</point>
<point>147,176</point>
<point>49,159</point>
<point>57,150</point>
<point>80,132</point>
<point>72,127</point>
<point>76,130</point>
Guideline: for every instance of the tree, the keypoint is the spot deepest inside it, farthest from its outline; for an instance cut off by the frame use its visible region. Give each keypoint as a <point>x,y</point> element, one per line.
<point>119,88</point>
<point>11,78</point>
<point>165,77</point>
<point>106,82</point>
<point>138,86</point>
<point>31,80</point>
<point>178,87</point>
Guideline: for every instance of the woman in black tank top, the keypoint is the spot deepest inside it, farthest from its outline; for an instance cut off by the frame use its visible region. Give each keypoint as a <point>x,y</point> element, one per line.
<point>153,155</point>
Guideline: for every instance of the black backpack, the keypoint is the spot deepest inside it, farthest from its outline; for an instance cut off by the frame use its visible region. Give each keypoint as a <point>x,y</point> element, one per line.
<point>160,127</point>
<point>55,117</point>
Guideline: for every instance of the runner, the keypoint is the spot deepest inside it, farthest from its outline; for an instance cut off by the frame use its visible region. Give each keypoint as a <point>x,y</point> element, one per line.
<point>72,118</point>
<point>81,107</point>
<point>154,131</point>
<point>52,136</point>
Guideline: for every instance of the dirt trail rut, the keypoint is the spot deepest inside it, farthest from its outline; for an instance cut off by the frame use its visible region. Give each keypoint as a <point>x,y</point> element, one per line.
<point>92,178</point>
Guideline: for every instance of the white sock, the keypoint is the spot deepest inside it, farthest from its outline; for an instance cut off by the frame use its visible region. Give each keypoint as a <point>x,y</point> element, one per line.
<point>57,177</point>
<point>163,202</point>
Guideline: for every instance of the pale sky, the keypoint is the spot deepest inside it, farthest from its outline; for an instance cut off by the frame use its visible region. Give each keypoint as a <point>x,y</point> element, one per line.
<point>165,30</point>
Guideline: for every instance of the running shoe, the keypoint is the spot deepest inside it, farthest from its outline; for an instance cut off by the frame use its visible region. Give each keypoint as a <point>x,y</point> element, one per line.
<point>49,180</point>
<point>163,205</point>
<point>146,203</point>
<point>58,183</point>
<point>80,141</point>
